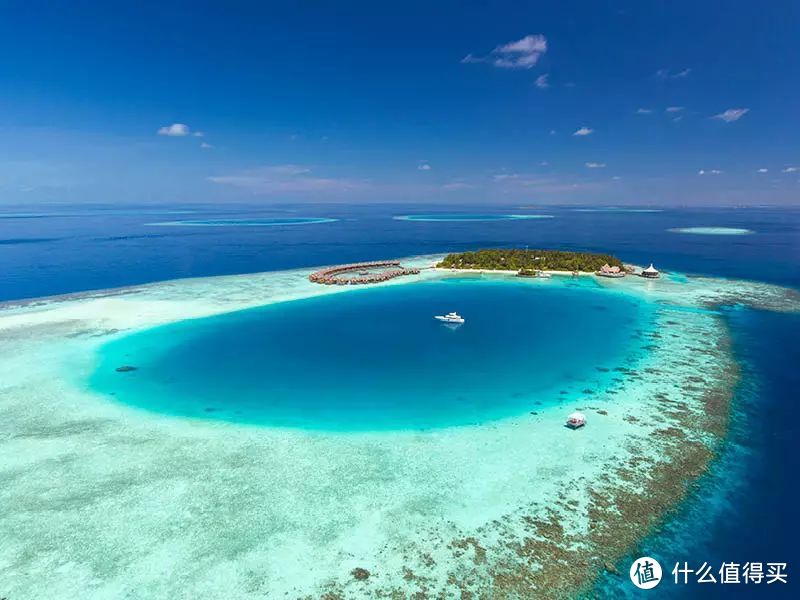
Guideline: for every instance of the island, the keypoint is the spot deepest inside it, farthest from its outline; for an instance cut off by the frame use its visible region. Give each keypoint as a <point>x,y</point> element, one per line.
<point>513,507</point>
<point>528,261</point>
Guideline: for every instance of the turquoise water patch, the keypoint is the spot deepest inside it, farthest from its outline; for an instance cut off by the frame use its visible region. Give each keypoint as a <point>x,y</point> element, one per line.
<point>270,222</point>
<point>376,359</point>
<point>465,217</point>
<point>677,277</point>
<point>711,230</point>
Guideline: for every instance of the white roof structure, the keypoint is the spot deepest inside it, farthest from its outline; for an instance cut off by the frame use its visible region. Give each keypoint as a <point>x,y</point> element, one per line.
<point>650,269</point>
<point>577,416</point>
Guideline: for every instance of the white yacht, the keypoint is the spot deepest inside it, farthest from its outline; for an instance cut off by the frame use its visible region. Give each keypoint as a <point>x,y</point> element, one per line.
<point>451,317</point>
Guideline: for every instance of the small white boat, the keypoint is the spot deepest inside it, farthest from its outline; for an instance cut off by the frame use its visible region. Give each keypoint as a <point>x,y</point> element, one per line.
<point>576,420</point>
<point>542,275</point>
<point>451,317</point>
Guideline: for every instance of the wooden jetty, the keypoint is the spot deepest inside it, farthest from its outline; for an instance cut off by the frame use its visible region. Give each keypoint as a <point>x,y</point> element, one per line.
<point>338,275</point>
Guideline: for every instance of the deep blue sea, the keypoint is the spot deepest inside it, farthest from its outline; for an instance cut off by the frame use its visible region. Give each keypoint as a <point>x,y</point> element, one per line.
<point>745,510</point>
<point>56,250</point>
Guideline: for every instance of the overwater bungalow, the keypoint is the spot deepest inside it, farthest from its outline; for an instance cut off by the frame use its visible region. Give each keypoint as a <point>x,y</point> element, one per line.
<point>651,272</point>
<point>336,275</point>
<point>576,420</point>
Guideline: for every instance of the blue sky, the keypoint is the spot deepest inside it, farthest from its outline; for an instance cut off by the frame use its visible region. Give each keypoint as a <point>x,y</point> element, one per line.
<point>681,103</point>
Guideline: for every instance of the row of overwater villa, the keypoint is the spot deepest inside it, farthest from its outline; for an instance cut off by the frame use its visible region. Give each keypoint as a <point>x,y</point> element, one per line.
<point>608,271</point>
<point>333,275</point>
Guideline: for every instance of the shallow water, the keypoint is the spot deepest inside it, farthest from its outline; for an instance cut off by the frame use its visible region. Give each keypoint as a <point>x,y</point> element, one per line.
<point>741,510</point>
<point>376,358</point>
<point>712,230</point>
<point>53,251</point>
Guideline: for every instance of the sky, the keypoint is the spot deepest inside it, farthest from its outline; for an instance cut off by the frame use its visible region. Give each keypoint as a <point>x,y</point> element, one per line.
<point>629,102</point>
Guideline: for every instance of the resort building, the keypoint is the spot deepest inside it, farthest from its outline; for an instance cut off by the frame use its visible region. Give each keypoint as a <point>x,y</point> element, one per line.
<point>651,272</point>
<point>608,271</point>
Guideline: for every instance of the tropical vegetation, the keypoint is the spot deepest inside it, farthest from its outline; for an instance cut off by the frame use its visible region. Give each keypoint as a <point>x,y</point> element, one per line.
<point>529,260</point>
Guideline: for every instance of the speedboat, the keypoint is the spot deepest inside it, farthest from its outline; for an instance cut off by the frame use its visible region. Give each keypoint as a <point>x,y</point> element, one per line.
<point>542,274</point>
<point>451,317</point>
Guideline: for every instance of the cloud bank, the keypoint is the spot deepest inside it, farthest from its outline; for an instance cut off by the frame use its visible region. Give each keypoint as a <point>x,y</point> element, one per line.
<point>287,179</point>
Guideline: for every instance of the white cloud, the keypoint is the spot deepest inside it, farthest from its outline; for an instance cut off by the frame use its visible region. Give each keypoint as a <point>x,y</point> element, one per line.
<point>732,114</point>
<point>762,171</point>
<point>583,131</point>
<point>520,54</point>
<point>643,111</point>
<point>550,184</point>
<point>424,166</point>
<point>595,165</point>
<point>667,74</point>
<point>455,186</point>
<point>709,172</point>
<point>505,176</point>
<point>616,178</point>
<point>205,145</point>
<point>541,82</point>
<point>674,109</point>
<point>289,169</point>
<point>789,170</point>
<point>174,130</point>
<point>287,179</point>
<point>199,134</point>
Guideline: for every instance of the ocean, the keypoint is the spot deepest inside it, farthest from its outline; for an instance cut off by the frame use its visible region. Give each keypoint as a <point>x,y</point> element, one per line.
<point>61,250</point>
<point>744,510</point>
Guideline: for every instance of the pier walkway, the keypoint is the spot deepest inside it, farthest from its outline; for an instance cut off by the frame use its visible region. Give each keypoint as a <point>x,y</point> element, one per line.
<point>338,275</point>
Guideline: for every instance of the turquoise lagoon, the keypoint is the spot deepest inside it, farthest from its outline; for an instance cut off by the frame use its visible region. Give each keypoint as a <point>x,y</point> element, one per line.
<point>375,359</point>
<point>712,230</point>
